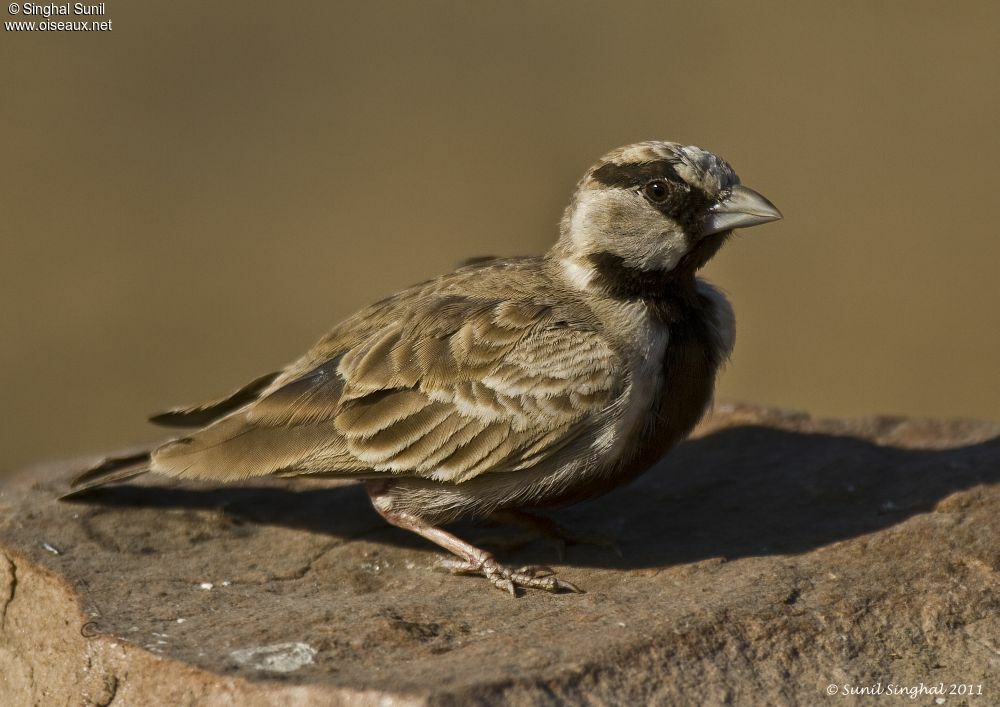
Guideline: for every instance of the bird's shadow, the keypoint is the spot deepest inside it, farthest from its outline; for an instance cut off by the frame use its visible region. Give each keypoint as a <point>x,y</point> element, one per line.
<point>741,491</point>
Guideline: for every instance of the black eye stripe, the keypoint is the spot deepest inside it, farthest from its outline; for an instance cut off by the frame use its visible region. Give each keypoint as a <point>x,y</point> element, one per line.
<point>629,176</point>
<point>684,203</point>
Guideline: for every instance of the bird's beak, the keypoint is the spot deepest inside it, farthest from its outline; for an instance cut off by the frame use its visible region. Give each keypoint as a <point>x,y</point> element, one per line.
<point>739,207</point>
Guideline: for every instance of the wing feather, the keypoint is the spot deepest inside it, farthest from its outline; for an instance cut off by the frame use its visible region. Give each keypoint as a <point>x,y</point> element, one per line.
<point>373,413</point>
<point>312,398</point>
<point>204,413</point>
<point>447,389</point>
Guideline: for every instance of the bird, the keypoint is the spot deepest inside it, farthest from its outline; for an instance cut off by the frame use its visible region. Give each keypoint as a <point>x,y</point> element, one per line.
<point>508,385</point>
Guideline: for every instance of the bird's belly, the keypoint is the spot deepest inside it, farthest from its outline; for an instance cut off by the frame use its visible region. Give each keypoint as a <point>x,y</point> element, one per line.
<point>676,390</point>
<point>673,388</point>
<point>575,477</point>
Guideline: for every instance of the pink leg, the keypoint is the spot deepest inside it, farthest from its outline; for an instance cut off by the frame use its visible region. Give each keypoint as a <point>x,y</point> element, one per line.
<point>474,560</point>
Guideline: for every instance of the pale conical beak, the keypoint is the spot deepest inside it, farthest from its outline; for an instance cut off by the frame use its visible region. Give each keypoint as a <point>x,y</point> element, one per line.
<point>740,207</point>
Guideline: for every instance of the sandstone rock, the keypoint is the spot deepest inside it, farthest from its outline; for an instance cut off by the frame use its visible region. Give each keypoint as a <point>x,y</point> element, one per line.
<point>766,559</point>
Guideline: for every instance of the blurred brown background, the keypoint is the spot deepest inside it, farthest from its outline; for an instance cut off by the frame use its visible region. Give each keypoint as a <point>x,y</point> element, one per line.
<point>192,198</point>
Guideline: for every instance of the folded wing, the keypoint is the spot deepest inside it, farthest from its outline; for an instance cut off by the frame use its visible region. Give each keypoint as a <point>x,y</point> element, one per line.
<point>448,390</point>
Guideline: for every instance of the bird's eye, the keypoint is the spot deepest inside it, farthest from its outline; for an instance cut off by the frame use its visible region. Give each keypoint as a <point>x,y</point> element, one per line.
<point>656,190</point>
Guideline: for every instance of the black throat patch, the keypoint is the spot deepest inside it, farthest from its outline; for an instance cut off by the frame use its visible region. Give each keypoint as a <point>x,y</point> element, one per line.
<point>621,281</point>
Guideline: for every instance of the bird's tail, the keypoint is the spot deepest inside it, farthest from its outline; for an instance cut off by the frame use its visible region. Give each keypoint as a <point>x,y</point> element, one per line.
<point>109,471</point>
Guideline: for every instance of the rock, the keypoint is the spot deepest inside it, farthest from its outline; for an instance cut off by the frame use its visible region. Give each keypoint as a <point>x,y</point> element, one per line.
<point>768,558</point>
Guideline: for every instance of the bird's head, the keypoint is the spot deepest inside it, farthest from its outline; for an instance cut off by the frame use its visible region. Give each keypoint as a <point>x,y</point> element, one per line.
<point>654,210</point>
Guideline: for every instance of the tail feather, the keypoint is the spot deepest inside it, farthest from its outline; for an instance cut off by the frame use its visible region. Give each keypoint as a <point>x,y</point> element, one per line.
<point>109,471</point>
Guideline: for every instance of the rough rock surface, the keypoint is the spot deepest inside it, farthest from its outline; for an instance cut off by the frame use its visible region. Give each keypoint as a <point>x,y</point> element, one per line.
<point>764,560</point>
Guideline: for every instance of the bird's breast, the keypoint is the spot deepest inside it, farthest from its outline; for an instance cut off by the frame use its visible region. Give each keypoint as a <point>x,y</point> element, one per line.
<point>672,381</point>
<point>691,360</point>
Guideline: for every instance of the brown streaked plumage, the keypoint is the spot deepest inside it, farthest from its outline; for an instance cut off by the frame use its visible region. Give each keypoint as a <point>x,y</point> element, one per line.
<point>509,383</point>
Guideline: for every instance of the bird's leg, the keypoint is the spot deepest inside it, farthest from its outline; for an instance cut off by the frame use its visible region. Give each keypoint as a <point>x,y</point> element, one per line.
<point>549,528</point>
<point>474,560</point>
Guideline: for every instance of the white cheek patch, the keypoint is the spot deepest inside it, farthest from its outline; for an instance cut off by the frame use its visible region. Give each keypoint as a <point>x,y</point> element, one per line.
<point>671,249</point>
<point>622,223</point>
<point>651,243</point>
<point>586,214</point>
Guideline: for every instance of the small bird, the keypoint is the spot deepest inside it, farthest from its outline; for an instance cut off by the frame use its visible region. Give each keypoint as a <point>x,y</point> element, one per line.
<point>510,383</point>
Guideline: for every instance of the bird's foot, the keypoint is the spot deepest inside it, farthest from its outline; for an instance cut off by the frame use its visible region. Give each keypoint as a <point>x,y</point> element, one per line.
<point>473,560</point>
<point>507,579</point>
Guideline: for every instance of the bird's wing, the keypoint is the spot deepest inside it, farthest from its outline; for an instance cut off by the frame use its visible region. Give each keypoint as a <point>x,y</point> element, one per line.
<point>446,389</point>
<point>204,413</point>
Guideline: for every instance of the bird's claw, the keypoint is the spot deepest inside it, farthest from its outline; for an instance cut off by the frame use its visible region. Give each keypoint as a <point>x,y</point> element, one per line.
<point>507,579</point>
